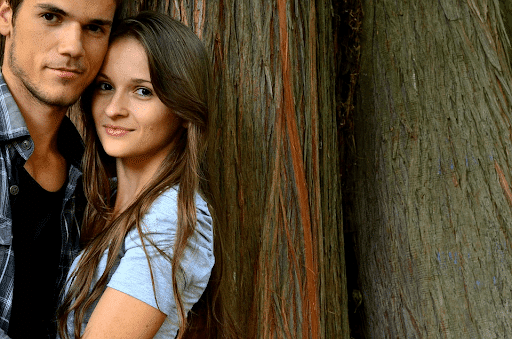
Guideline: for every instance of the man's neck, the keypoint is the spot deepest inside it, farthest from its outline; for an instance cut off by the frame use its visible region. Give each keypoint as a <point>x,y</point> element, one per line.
<point>42,120</point>
<point>43,126</point>
<point>46,164</point>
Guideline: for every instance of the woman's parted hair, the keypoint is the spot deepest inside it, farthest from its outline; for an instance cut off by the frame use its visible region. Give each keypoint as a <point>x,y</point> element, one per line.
<point>180,73</point>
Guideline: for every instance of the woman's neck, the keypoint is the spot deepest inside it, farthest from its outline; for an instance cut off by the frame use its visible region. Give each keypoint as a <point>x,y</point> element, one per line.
<point>132,178</point>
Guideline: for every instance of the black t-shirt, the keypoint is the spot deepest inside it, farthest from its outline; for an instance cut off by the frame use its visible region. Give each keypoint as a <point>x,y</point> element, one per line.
<point>37,242</point>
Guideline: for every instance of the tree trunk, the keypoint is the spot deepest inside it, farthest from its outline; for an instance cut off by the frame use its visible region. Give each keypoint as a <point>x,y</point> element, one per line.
<point>274,163</point>
<point>432,200</point>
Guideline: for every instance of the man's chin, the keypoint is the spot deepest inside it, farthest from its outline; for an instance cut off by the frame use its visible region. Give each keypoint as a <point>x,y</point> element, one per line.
<point>58,99</point>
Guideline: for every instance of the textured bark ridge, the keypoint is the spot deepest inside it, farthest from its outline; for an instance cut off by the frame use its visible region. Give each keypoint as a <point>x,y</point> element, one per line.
<point>432,189</point>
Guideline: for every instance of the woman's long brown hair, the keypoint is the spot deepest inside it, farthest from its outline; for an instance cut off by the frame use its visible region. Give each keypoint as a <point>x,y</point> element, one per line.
<point>180,74</point>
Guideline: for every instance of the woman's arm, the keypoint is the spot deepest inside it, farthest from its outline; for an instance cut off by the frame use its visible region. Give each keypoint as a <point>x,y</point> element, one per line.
<point>119,315</point>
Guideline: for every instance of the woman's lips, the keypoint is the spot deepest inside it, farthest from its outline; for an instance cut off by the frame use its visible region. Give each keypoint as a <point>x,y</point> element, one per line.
<point>116,131</point>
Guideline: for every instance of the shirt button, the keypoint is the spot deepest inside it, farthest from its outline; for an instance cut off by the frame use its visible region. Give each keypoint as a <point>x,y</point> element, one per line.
<point>26,145</point>
<point>14,189</point>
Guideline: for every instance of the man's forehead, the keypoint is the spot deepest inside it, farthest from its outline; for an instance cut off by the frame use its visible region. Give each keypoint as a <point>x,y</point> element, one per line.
<point>81,9</point>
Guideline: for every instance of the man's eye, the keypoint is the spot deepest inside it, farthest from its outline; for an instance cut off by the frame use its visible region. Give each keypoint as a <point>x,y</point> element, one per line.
<point>94,28</point>
<point>50,17</point>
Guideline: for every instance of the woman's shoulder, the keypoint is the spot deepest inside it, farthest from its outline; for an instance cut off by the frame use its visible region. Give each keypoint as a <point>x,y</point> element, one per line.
<point>166,205</point>
<point>162,219</point>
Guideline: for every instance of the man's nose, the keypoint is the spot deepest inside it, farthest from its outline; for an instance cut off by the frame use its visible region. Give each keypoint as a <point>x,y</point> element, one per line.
<point>70,41</point>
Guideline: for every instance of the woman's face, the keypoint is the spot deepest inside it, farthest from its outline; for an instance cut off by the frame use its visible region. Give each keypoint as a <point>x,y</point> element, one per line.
<point>131,121</point>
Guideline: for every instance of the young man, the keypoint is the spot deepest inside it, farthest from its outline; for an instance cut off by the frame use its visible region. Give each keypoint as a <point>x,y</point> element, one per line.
<point>53,50</point>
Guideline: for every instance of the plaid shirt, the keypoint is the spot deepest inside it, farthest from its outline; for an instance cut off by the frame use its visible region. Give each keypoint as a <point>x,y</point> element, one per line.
<point>15,141</point>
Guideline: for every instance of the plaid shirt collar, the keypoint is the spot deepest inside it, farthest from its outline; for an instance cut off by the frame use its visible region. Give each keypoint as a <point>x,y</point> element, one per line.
<point>12,124</point>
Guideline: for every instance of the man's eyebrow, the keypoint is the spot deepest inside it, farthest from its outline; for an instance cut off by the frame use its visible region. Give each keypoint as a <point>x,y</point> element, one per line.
<point>101,22</point>
<point>51,8</point>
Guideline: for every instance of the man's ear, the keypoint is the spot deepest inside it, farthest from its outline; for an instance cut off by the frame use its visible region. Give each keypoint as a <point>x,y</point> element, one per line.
<point>5,18</point>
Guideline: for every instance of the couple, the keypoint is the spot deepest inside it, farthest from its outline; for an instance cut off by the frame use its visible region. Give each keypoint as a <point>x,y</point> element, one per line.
<point>145,238</point>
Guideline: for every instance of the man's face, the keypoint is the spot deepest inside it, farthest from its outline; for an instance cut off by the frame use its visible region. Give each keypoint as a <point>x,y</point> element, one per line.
<point>54,48</point>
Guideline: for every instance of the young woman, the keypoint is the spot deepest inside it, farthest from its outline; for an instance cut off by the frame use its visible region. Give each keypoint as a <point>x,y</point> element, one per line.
<point>147,233</point>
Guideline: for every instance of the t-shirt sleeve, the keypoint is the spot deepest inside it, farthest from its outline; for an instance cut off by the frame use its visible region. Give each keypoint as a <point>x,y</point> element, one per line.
<point>133,275</point>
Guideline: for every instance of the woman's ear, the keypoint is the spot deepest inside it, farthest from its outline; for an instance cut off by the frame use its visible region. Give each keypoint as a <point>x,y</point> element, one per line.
<point>5,18</point>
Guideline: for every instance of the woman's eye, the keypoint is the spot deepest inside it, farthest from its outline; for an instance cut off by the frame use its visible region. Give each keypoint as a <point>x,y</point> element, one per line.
<point>104,86</point>
<point>143,92</point>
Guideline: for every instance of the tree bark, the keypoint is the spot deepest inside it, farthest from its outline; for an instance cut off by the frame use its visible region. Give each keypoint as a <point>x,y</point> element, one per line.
<point>277,167</point>
<point>274,163</point>
<point>432,199</point>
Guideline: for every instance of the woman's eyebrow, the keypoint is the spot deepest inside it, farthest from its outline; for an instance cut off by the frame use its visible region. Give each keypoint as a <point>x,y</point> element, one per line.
<point>102,75</point>
<point>139,81</point>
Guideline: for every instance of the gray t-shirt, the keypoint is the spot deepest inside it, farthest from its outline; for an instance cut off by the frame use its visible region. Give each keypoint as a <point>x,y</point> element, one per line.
<point>132,275</point>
